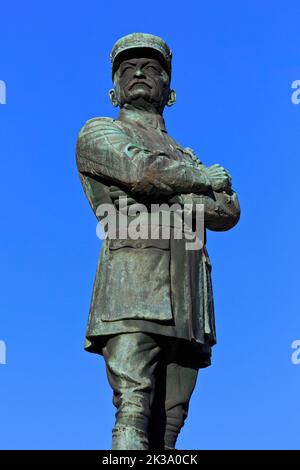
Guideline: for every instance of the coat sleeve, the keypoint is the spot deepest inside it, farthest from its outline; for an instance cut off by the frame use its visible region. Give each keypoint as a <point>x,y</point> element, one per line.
<point>221,209</point>
<point>105,150</point>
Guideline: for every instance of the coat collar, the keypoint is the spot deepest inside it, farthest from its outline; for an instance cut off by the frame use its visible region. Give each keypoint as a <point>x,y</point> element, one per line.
<point>156,121</point>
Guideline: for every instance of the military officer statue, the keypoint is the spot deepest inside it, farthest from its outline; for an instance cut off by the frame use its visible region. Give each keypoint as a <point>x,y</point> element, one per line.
<point>151,314</point>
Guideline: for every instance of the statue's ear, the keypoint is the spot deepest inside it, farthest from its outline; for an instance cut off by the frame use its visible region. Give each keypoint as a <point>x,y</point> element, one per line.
<point>172,98</point>
<point>113,98</point>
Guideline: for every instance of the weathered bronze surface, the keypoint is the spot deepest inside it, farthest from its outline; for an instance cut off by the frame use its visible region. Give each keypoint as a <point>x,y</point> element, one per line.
<point>152,314</point>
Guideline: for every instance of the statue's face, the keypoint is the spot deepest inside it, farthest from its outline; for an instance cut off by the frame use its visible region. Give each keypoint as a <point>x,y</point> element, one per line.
<point>142,83</point>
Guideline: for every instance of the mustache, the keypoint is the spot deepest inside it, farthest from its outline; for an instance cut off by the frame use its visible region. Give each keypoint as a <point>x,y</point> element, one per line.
<point>139,82</point>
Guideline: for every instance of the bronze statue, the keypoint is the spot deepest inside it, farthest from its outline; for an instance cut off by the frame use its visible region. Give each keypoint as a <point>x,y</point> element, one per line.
<point>152,314</point>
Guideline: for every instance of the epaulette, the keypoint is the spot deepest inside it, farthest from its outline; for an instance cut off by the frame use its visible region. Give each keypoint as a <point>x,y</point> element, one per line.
<point>107,119</point>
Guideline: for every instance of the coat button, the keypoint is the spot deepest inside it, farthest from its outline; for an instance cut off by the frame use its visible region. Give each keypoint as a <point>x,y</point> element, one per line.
<point>138,245</point>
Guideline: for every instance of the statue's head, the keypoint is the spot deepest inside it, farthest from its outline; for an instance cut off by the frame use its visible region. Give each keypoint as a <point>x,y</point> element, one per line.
<point>141,72</point>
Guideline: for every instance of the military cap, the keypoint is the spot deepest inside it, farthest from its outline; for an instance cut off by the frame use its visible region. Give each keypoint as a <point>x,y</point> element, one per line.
<point>154,44</point>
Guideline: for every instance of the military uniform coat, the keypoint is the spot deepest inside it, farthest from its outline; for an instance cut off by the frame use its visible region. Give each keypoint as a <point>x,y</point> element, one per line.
<point>149,285</point>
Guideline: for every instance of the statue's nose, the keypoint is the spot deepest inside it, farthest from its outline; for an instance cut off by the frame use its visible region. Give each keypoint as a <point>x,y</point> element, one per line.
<point>139,73</point>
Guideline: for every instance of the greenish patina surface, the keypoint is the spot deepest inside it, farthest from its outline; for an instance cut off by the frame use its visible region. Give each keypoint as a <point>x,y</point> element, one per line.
<point>150,289</point>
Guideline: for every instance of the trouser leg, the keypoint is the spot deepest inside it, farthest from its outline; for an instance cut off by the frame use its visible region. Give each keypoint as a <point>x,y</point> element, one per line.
<point>181,377</point>
<point>175,380</point>
<point>157,426</point>
<point>131,360</point>
<point>180,385</point>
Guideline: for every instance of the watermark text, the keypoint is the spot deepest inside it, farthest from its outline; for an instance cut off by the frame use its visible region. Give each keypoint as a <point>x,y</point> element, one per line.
<point>295,97</point>
<point>157,222</point>
<point>295,357</point>
<point>2,92</point>
<point>2,352</point>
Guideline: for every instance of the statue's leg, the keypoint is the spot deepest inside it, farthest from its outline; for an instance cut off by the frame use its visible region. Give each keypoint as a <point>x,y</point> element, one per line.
<point>131,360</point>
<point>181,377</point>
<point>157,425</point>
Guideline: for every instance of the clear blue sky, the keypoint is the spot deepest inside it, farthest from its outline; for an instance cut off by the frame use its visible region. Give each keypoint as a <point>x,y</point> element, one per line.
<point>234,63</point>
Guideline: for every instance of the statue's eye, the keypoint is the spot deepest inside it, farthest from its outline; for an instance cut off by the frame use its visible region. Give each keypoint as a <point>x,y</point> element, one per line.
<point>152,68</point>
<point>127,67</point>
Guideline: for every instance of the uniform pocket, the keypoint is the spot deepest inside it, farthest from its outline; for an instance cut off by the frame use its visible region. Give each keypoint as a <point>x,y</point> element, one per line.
<point>138,280</point>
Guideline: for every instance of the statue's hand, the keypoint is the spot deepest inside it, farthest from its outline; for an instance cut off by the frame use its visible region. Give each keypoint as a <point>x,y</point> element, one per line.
<point>219,178</point>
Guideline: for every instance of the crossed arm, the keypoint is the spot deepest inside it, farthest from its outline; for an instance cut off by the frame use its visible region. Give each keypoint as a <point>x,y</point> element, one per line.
<point>105,151</point>
<point>221,209</point>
